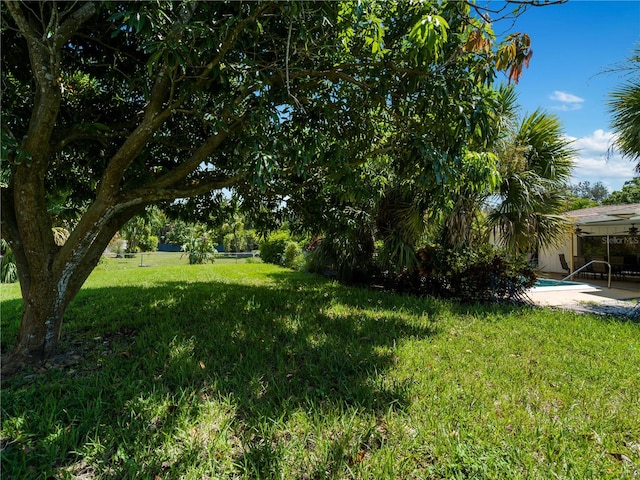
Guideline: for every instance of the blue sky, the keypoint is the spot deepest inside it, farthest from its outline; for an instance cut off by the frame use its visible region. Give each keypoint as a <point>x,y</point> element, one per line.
<point>573,43</point>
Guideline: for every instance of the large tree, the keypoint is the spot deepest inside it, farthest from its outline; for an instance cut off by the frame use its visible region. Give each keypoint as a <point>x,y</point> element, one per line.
<point>432,148</point>
<point>122,105</point>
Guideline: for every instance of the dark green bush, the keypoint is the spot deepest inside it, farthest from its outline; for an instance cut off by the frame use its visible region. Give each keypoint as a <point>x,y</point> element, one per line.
<point>272,249</point>
<point>348,257</point>
<point>483,274</point>
<point>148,244</point>
<point>480,274</point>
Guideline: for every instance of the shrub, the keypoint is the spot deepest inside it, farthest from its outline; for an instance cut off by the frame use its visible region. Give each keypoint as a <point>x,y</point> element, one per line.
<point>148,244</point>
<point>117,245</point>
<point>481,274</point>
<point>199,246</point>
<point>177,232</point>
<point>348,257</point>
<point>137,233</point>
<point>293,257</point>
<point>272,249</point>
<point>251,239</point>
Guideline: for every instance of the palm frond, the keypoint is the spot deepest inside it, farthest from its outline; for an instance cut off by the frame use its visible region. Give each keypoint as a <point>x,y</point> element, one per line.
<point>625,107</point>
<point>400,224</point>
<point>549,153</point>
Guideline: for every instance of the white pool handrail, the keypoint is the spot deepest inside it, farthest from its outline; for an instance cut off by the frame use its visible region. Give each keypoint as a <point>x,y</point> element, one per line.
<point>585,266</point>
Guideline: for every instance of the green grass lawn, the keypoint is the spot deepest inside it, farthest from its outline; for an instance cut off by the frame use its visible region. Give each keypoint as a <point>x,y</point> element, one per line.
<point>247,370</point>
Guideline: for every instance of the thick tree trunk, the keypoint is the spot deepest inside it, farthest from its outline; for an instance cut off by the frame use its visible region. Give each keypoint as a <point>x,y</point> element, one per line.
<point>49,286</point>
<point>51,275</point>
<point>40,327</point>
<point>45,301</point>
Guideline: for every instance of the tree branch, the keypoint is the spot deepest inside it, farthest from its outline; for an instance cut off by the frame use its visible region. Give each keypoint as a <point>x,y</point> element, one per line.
<point>97,247</point>
<point>229,42</point>
<point>152,193</point>
<point>154,117</point>
<point>64,137</point>
<point>199,156</point>
<point>71,25</point>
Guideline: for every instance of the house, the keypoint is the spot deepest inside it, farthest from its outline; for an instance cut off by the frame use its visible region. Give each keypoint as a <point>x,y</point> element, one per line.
<point>607,233</point>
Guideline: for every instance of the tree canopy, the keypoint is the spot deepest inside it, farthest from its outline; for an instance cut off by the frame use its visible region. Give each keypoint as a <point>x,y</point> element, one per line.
<point>630,193</point>
<point>127,104</point>
<point>596,192</point>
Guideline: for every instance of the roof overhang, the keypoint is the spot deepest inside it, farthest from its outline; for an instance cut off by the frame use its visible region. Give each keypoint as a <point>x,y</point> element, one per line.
<point>607,216</point>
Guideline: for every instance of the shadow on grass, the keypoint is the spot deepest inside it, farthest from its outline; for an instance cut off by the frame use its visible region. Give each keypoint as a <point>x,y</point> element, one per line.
<point>412,303</point>
<point>139,364</point>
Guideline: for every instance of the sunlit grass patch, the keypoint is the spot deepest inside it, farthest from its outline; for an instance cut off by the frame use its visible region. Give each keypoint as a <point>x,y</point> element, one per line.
<point>252,371</point>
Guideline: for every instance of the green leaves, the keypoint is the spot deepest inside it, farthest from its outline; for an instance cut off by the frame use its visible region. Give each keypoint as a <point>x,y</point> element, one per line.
<point>429,35</point>
<point>199,246</point>
<point>11,151</point>
<point>8,269</point>
<point>363,20</point>
<point>480,171</point>
<point>265,169</point>
<point>624,106</point>
<point>375,38</point>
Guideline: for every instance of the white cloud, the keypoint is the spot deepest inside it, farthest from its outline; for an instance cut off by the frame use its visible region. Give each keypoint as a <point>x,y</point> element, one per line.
<point>565,97</point>
<point>594,164</point>
<point>598,143</point>
<point>568,101</point>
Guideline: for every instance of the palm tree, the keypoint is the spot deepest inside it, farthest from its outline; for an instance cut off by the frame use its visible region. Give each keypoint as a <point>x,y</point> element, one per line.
<point>624,105</point>
<point>400,222</point>
<point>536,164</point>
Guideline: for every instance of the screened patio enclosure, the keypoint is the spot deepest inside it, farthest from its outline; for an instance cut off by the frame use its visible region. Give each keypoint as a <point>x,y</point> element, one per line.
<point>608,233</point>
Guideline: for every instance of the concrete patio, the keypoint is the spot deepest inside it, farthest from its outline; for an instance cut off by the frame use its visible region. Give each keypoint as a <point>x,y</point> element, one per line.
<point>594,297</point>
